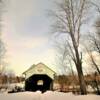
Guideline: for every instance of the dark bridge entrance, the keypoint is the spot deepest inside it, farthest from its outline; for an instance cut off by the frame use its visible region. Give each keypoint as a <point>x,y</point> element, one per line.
<point>38,82</point>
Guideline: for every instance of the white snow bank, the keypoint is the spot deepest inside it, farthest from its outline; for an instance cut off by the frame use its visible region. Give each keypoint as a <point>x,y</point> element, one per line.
<point>57,96</point>
<point>68,96</point>
<point>21,96</point>
<point>49,95</point>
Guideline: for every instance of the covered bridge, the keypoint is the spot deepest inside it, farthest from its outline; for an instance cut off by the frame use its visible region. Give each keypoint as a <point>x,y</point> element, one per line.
<point>39,77</point>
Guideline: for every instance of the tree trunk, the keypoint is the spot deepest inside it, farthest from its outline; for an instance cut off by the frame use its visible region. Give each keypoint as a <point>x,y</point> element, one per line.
<point>78,64</point>
<point>80,74</point>
<point>81,79</point>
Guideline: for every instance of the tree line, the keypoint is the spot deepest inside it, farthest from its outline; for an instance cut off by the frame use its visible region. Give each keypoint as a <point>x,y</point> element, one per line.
<point>70,83</point>
<point>6,80</point>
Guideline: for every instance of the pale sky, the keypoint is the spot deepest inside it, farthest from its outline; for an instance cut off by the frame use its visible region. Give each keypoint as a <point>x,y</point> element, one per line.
<point>26,34</point>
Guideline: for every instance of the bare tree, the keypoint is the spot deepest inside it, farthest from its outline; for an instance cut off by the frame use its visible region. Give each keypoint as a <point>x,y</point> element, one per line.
<point>64,58</point>
<point>92,44</point>
<point>2,46</point>
<point>95,42</point>
<point>96,4</point>
<point>69,18</point>
<point>62,55</point>
<point>94,37</point>
<point>92,60</point>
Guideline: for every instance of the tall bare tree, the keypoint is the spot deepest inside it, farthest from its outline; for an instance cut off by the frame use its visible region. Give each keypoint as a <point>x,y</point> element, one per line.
<point>69,18</point>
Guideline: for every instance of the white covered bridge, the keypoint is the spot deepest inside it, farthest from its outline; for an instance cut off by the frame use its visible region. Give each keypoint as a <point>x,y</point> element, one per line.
<point>39,77</point>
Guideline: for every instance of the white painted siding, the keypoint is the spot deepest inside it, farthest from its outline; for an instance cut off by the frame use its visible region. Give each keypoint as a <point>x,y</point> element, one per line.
<point>40,69</point>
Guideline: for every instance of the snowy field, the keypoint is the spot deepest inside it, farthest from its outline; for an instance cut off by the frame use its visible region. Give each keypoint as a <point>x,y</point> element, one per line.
<point>49,95</point>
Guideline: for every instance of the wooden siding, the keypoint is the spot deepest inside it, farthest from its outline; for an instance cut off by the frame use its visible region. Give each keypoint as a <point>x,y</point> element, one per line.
<point>39,69</point>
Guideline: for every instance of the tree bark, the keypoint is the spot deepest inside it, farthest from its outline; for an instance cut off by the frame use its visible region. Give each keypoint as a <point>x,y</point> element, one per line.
<point>78,64</point>
<point>81,79</point>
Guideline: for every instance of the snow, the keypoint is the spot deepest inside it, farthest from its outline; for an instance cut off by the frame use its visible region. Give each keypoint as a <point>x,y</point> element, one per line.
<point>49,95</point>
<point>67,96</point>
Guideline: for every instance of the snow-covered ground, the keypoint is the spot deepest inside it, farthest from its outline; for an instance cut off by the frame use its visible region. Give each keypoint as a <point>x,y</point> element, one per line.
<point>49,95</point>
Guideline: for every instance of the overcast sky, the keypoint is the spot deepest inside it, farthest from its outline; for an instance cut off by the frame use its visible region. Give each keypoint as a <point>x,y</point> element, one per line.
<point>26,34</point>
